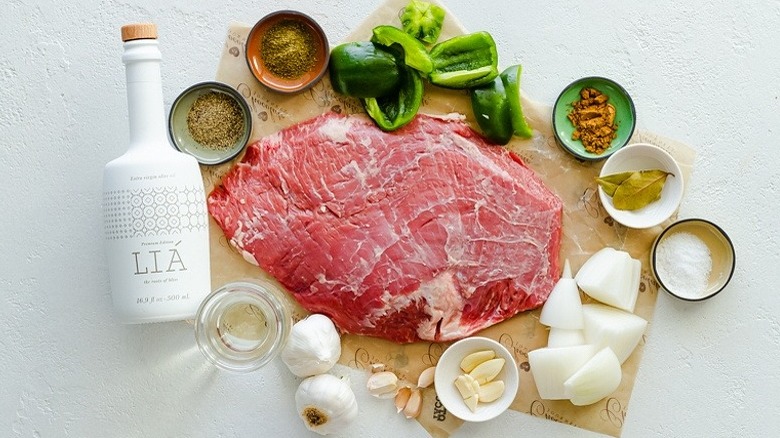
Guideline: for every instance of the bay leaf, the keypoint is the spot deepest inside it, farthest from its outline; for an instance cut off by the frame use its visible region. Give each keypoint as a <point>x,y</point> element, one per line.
<point>640,189</point>
<point>610,183</point>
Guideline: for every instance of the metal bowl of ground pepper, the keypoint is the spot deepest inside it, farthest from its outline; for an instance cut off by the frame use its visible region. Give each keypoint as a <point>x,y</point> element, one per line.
<point>287,51</point>
<point>593,117</point>
<point>210,121</point>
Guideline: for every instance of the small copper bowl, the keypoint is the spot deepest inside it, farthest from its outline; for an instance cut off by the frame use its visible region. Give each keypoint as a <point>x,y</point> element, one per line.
<point>257,66</point>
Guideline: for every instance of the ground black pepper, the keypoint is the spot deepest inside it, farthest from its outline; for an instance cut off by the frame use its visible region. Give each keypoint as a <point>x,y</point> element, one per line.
<point>215,121</point>
<point>288,49</point>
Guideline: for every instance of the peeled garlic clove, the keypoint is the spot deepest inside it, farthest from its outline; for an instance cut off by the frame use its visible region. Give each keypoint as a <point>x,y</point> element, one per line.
<point>491,391</point>
<point>472,402</point>
<point>464,385</point>
<point>383,384</point>
<point>475,386</point>
<point>426,377</point>
<point>377,367</point>
<point>414,404</point>
<point>402,398</point>
<point>472,360</point>
<point>488,370</point>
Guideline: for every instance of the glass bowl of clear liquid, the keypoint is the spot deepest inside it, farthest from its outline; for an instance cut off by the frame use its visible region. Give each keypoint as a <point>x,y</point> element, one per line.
<point>242,325</point>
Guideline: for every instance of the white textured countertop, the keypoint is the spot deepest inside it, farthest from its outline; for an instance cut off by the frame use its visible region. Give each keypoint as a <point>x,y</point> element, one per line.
<point>703,72</point>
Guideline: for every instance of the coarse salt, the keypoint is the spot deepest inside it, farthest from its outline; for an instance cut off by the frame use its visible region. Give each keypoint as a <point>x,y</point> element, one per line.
<point>683,263</point>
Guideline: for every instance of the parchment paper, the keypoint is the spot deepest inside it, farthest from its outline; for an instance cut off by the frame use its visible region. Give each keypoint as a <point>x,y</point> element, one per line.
<point>586,229</point>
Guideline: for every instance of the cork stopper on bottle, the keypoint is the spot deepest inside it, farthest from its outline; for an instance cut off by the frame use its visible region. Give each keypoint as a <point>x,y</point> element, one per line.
<point>139,31</point>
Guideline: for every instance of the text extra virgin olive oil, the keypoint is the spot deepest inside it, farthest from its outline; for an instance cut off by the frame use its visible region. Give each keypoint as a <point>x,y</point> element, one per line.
<point>154,205</point>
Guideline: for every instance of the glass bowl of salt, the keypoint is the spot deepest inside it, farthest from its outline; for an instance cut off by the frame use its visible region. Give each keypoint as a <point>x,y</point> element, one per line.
<point>693,259</point>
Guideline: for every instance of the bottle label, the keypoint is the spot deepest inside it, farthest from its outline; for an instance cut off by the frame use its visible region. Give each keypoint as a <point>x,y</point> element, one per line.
<point>157,242</point>
<point>154,276</point>
<point>157,211</point>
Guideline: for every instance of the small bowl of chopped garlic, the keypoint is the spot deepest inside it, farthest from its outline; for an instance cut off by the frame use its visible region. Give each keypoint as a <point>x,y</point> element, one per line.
<point>693,259</point>
<point>210,121</point>
<point>593,117</point>
<point>476,379</point>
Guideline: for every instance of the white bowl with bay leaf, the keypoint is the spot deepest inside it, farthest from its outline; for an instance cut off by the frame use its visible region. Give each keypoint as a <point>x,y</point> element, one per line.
<point>640,186</point>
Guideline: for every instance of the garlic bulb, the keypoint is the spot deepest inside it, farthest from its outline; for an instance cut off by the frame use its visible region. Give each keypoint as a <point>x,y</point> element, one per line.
<point>326,404</point>
<point>313,347</point>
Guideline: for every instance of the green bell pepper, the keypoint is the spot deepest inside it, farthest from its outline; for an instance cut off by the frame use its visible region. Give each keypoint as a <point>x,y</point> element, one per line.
<point>363,69</point>
<point>492,111</point>
<point>464,61</point>
<point>415,54</point>
<point>422,20</point>
<point>396,109</point>
<point>511,79</point>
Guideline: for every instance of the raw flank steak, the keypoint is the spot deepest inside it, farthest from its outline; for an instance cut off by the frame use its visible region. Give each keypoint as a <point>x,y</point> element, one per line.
<point>424,233</point>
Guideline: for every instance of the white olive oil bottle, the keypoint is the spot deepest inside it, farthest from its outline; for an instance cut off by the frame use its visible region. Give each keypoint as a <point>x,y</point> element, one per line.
<point>154,205</point>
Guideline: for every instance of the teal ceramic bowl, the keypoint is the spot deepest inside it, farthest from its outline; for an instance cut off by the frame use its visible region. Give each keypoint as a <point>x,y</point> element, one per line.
<point>625,116</point>
<point>182,138</point>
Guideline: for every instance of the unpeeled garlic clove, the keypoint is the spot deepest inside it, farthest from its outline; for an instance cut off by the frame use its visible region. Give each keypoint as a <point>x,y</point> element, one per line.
<point>491,391</point>
<point>377,367</point>
<point>383,384</point>
<point>487,371</point>
<point>426,377</point>
<point>472,360</point>
<point>402,398</point>
<point>414,404</point>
